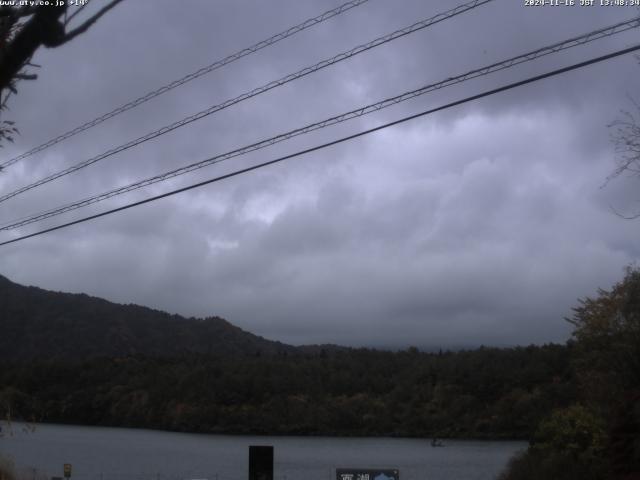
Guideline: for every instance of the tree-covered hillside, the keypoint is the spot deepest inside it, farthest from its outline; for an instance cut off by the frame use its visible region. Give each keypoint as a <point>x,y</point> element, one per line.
<point>77,359</point>
<point>598,436</point>
<point>37,323</point>
<point>486,393</point>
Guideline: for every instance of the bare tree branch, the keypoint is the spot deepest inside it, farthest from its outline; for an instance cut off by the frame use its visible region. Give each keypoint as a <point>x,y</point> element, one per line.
<point>3,102</point>
<point>43,28</point>
<point>90,21</point>
<point>26,76</point>
<point>626,139</point>
<point>78,10</point>
<point>626,217</point>
<point>24,11</point>
<point>22,31</point>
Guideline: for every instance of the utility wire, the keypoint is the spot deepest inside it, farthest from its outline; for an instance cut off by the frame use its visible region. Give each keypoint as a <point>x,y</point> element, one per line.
<point>335,142</point>
<point>526,57</point>
<point>257,91</point>
<point>187,78</point>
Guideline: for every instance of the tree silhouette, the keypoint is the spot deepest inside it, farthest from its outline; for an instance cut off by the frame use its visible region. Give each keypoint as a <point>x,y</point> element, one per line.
<point>24,29</point>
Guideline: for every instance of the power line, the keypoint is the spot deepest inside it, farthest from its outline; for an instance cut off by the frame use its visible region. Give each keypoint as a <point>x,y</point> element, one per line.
<point>257,91</point>
<point>526,57</point>
<point>187,78</point>
<point>335,142</point>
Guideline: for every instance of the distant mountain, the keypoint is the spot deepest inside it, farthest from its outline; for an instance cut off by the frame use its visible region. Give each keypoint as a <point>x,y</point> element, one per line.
<point>37,323</point>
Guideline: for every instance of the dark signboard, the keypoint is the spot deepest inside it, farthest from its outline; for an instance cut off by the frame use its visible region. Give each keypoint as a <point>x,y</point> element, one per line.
<point>261,462</point>
<point>366,474</point>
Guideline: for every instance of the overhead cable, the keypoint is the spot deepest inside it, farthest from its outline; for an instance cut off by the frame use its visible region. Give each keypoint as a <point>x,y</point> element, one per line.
<point>334,142</point>
<point>257,91</point>
<point>187,78</point>
<point>508,63</point>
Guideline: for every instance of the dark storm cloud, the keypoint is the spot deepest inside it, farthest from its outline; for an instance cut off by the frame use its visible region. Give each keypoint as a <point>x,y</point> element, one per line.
<point>481,224</point>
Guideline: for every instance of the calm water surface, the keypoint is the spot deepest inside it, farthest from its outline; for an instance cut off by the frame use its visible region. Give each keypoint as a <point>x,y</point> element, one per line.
<point>98,453</point>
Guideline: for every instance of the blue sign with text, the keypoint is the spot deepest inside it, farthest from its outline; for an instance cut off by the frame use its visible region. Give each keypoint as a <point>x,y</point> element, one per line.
<point>366,474</point>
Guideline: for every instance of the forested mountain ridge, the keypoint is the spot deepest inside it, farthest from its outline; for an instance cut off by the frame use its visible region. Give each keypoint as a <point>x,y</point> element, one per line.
<point>72,358</point>
<point>37,323</point>
<point>576,403</point>
<point>485,393</point>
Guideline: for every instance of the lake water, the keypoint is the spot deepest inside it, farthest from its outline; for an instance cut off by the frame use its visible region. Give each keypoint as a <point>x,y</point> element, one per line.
<point>98,453</point>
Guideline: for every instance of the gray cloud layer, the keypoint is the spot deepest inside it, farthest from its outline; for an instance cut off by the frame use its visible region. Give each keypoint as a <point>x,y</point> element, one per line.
<point>481,224</point>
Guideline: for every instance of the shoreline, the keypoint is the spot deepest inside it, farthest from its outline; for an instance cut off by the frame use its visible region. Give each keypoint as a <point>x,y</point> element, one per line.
<point>34,426</point>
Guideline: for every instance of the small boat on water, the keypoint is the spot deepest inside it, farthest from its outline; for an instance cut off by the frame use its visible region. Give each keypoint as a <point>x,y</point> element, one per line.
<point>436,443</point>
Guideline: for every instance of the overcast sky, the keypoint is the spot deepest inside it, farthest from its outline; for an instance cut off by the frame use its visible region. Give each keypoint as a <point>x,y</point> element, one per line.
<point>481,224</point>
